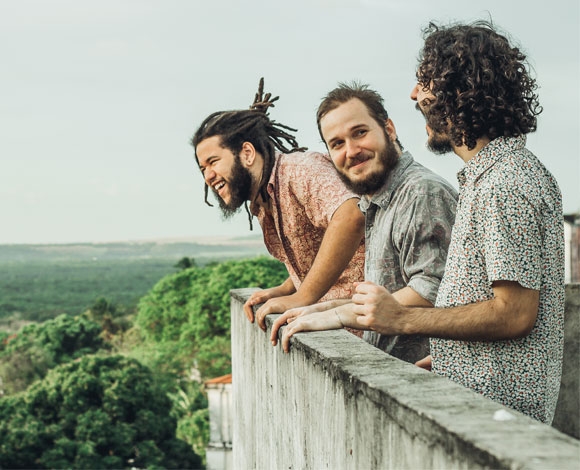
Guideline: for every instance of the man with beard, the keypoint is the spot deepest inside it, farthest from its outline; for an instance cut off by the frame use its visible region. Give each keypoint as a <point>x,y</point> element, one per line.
<point>498,323</point>
<point>310,220</point>
<point>409,212</point>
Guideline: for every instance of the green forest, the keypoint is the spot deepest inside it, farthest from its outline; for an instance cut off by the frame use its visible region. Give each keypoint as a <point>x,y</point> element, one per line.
<point>117,383</point>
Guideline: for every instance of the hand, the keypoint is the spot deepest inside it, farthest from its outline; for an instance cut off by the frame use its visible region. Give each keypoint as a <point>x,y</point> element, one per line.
<point>425,363</point>
<point>326,320</point>
<point>377,309</point>
<point>292,314</point>
<point>277,305</point>
<point>261,296</point>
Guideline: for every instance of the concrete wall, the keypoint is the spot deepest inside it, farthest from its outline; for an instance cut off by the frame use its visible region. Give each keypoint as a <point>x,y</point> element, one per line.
<point>336,402</point>
<point>567,417</point>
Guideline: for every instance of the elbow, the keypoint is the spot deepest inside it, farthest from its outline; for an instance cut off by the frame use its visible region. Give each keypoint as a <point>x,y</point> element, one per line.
<point>525,323</point>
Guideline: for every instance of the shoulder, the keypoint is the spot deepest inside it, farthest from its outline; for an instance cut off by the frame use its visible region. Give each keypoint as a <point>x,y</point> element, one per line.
<point>523,175</point>
<point>421,181</point>
<point>303,159</point>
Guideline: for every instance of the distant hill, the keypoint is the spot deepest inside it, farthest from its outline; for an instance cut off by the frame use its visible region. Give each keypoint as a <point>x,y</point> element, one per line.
<point>202,249</point>
<point>38,282</point>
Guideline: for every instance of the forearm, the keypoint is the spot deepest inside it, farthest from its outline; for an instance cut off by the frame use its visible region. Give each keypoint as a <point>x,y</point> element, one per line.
<point>410,298</point>
<point>286,288</point>
<point>489,320</point>
<point>510,314</point>
<point>341,240</point>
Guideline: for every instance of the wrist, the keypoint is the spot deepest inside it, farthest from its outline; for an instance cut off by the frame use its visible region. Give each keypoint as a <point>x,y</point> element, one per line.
<point>338,317</point>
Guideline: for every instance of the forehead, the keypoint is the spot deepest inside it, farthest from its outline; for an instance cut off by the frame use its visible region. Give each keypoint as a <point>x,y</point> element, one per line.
<point>210,147</point>
<point>351,114</point>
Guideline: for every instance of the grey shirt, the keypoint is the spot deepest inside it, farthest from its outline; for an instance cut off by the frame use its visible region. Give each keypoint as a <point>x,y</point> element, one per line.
<point>408,230</point>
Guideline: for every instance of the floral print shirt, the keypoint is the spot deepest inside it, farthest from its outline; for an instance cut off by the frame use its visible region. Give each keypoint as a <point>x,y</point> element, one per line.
<point>305,191</point>
<point>509,226</point>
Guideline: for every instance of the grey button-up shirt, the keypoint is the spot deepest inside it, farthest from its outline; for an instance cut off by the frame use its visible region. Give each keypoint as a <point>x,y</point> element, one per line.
<point>408,229</point>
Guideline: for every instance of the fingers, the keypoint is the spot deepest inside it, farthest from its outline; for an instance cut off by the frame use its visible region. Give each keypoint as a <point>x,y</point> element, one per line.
<point>289,331</point>
<point>261,315</point>
<point>275,327</point>
<point>256,298</point>
<point>249,311</point>
<point>424,363</point>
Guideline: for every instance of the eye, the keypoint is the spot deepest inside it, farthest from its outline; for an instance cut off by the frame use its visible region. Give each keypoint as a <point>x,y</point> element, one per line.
<point>360,132</point>
<point>336,144</point>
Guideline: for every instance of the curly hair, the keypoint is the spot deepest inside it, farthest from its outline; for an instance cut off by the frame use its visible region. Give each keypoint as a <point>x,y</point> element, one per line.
<point>252,125</point>
<point>482,85</point>
<point>345,92</point>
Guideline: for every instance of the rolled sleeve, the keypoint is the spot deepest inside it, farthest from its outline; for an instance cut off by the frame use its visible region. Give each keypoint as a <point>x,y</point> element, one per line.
<point>425,243</point>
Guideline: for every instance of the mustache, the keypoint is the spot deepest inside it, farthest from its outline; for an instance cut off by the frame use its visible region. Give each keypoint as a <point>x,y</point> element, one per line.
<point>360,158</point>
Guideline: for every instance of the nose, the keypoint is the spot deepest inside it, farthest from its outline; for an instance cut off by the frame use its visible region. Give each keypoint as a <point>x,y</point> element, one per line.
<point>415,92</point>
<point>352,148</point>
<point>208,175</point>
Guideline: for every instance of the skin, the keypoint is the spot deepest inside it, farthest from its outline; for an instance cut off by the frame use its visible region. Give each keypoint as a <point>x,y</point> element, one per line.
<point>355,141</point>
<point>342,238</point>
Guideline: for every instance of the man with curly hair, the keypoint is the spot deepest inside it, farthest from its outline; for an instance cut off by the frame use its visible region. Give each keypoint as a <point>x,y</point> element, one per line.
<point>497,325</point>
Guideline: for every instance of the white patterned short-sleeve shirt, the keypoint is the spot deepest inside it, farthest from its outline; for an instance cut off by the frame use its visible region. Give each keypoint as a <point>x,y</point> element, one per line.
<point>509,227</point>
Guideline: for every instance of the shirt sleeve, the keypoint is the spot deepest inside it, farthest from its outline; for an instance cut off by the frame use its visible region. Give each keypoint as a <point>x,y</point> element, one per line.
<point>511,237</point>
<point>317,187</point>
<point>425,232</point>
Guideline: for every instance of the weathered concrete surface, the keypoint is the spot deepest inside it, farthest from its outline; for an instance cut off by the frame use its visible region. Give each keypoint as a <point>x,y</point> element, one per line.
<point>567,417</point>
<point>336,402</point>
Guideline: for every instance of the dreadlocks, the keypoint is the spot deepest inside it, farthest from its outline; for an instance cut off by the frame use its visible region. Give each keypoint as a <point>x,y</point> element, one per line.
<point>254,126</point>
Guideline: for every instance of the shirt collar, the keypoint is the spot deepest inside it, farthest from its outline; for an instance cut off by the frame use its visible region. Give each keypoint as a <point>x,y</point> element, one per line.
<point>382,196</point>
<point>488,156</point>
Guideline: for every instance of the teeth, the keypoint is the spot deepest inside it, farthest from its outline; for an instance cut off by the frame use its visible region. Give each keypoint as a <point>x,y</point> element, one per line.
<point>219,185</point>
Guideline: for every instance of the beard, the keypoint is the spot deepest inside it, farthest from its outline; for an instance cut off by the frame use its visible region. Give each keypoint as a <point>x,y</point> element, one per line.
<point>240,186</point>
<point>387,159</point>
<point>437,142</point>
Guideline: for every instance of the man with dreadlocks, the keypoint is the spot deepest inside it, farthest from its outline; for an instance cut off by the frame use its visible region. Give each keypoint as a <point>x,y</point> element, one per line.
<point>497,327</point>
<point>310,220</point>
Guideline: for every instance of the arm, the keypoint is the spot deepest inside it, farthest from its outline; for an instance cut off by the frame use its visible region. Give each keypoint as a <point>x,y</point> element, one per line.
<point>341,240</point>
<point>510,314</point>
<point>333,315</point>
<point>293,313</point>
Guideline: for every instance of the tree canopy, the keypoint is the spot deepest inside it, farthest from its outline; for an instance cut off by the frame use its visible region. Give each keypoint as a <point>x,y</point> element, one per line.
<point>98,412</point>
<point>187,314</point>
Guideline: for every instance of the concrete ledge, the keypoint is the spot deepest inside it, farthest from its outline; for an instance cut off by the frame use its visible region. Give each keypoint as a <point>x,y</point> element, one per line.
<point>567,417</point>
<point>336,402</point>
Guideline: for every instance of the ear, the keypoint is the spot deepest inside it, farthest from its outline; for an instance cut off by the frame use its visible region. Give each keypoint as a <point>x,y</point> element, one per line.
<point>248,154</point>
<point>390,129</point>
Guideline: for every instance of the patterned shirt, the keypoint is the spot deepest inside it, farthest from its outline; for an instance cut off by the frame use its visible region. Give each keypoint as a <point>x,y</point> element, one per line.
<point>305,191</point>
<point>509,227</point>
<point>408,229</point>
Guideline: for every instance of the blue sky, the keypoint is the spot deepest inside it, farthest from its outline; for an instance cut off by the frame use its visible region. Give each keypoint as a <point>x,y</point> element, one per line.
<point>99,99</point>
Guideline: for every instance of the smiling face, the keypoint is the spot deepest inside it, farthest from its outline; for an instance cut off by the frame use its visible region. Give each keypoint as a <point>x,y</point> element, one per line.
<point>225,174</point>
<point>362,150</point>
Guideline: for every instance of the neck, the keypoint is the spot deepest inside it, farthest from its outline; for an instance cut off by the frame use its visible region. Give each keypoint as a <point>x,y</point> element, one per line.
<point>259,180</point>
<point>467,154</point>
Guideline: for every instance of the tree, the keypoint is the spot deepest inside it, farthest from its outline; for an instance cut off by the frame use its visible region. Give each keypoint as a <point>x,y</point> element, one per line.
<point>98,412</point>
<point>185,263</point>
<point>28,355</point>
<point>185,312</point>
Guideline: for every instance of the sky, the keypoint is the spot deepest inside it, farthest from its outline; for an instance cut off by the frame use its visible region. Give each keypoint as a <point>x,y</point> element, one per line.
<point>99,99</point>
